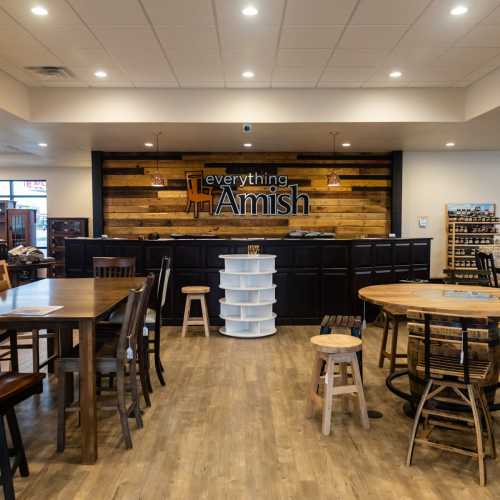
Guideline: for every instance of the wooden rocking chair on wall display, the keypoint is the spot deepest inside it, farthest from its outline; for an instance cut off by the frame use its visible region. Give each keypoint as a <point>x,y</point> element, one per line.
<point>197,194</point>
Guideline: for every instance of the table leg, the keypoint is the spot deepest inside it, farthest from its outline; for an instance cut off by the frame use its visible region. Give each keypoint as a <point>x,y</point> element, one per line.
<point>88,410</point>
<point>66,348</point>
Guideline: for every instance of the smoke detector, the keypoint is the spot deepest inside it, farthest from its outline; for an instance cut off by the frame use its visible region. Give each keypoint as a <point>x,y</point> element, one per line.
<point>51,73</point>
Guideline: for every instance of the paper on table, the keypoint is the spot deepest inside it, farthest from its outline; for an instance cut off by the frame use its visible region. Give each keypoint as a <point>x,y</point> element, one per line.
<point>32,311</point>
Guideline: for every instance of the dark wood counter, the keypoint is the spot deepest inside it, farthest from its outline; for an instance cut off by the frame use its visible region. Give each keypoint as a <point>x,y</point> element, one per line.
<point>314,276</point>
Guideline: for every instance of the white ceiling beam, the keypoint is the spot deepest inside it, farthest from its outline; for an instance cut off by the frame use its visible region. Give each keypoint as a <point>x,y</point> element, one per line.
<point>14,97</point>
<point>241,105</point>
<point>483,96</point>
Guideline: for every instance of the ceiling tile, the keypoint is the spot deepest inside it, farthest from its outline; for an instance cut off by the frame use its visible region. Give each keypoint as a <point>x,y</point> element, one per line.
<point>160,72</point>
<point>143,84</point>
<point>339,85</point>
<point>481,36</point>
<point>318,12</point>
<point>237,38</point>
<point>110,12</point>
<point>466,56</point>
<point>358,57</point>
<point>298,85</point>
<point>138,56</point>
<point>178,37</point>
<point>130,36</point>
<point>287,74</point>
<point>201,72</point>
<point>60,13</point>
<point>233,73</point>
<point>251,58</point>
<point>180,13</point>
<point>388,12</point>
<point>229,12</point>
<point>493,18</point>
<point>338,74</point>
<point>303,57</point>
<point>371,37</point>
<point>248,85</point>
<point>436,27</point>
<point>86,74</point>
<point>95,58</point>
<point>187,57</point>
<point>383,84</point>
<point>403,56</point>
<point>310,38</point>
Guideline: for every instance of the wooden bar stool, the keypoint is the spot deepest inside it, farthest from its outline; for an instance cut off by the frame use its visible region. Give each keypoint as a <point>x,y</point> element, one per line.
<point>332,349</point>
<point>195,293</point>
<point>392,317</point>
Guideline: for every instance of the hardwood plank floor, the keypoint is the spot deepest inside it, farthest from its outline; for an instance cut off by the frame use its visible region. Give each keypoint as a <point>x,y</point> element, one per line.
<point>230,425</point>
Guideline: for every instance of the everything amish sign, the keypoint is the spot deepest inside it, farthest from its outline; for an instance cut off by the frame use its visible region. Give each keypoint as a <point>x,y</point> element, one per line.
<point>280,199</point>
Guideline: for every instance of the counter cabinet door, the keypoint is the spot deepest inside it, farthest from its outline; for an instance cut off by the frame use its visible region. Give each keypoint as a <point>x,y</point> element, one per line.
<point>303,290</point>
<point>335,293</point>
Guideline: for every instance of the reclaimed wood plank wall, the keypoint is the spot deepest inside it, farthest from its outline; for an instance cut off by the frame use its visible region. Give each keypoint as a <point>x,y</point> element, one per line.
<point>360,207</point>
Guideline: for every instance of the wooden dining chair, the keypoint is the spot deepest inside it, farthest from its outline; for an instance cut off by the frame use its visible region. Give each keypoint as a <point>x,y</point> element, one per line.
<point>113,267</point>
<point>196,193</point>
<point>117,356</point>
<point>456,356</point>
<point>11,342</point>
<point>486,262</point>
<point>14,388</point>
<point>153,317</point>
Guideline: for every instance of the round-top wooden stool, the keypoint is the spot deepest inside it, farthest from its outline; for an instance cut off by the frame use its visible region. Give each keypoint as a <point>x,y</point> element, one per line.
<point>393,317</point>
<point>195,293</point>
<point>335,349</point>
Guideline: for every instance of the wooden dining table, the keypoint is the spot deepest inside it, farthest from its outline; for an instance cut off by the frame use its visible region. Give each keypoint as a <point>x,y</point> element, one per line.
<point>84,301</point>
<point>462,300</point>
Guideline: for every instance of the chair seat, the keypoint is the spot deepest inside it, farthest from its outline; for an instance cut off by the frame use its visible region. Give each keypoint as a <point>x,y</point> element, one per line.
<point>195,289</point>
<point>446,365</point>
<point>395,311</point>
<point>14,385</point>
<point>116,317</point>
<point>335,343</point>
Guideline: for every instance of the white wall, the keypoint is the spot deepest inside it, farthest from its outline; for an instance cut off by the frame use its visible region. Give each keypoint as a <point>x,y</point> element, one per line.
<point>69,190</point>
<point>431,180</point>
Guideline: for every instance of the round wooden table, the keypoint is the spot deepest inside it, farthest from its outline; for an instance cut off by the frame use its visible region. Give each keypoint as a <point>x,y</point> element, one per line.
<point>464,300</point>
<point>451,299</point>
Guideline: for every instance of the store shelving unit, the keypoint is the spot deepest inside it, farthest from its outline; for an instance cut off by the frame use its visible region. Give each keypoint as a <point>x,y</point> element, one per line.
<point>247,307</point>
<point>469,227</point>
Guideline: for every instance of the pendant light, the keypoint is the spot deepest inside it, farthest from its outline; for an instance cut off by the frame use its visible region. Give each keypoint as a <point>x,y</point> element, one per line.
<point>156,179</point>
<point>333,179</point>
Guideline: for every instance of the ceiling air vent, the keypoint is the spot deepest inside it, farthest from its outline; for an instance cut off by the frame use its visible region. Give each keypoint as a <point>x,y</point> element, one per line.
<point>7,149</point>
<point>51,73</point>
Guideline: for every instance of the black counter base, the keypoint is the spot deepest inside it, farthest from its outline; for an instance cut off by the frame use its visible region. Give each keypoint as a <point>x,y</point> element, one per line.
<point>313,278</point>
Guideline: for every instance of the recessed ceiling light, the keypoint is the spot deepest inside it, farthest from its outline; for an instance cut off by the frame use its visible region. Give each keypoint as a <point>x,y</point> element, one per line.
<point>38,10</point>
<point>248,74</point>
<point>346,144</point>
<point>450,144</point>
<point>250,11</point>
<point>100,74</point>
<point>247,145</point>
<point>395,74</point>
<point>148,144</point>
<point>42,144</point>
<point>459,10</point>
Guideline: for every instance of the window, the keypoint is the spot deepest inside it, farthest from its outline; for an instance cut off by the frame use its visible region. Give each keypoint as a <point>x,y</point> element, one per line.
<point>29,194</point>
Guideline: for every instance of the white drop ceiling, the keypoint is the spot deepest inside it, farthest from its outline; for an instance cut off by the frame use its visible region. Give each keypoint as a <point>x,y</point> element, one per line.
<point>290,43</point>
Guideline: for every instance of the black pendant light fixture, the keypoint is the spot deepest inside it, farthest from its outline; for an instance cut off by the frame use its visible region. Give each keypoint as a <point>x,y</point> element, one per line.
<point>333,179</point>
<point>156,179</point>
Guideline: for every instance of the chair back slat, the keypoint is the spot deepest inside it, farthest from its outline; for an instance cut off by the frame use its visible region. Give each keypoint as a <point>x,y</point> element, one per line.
<point>5,283</point>
<point>458,342</point>
<point>485,262</point>
<point>133,321</point>
<point>163,279</point>
<point>114,267</point>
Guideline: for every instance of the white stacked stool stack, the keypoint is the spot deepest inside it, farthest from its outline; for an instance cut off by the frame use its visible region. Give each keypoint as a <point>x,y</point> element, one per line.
<point>247,307</point>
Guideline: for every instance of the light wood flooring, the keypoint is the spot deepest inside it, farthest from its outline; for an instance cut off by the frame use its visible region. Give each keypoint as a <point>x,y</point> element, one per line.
<point>230,425</point>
